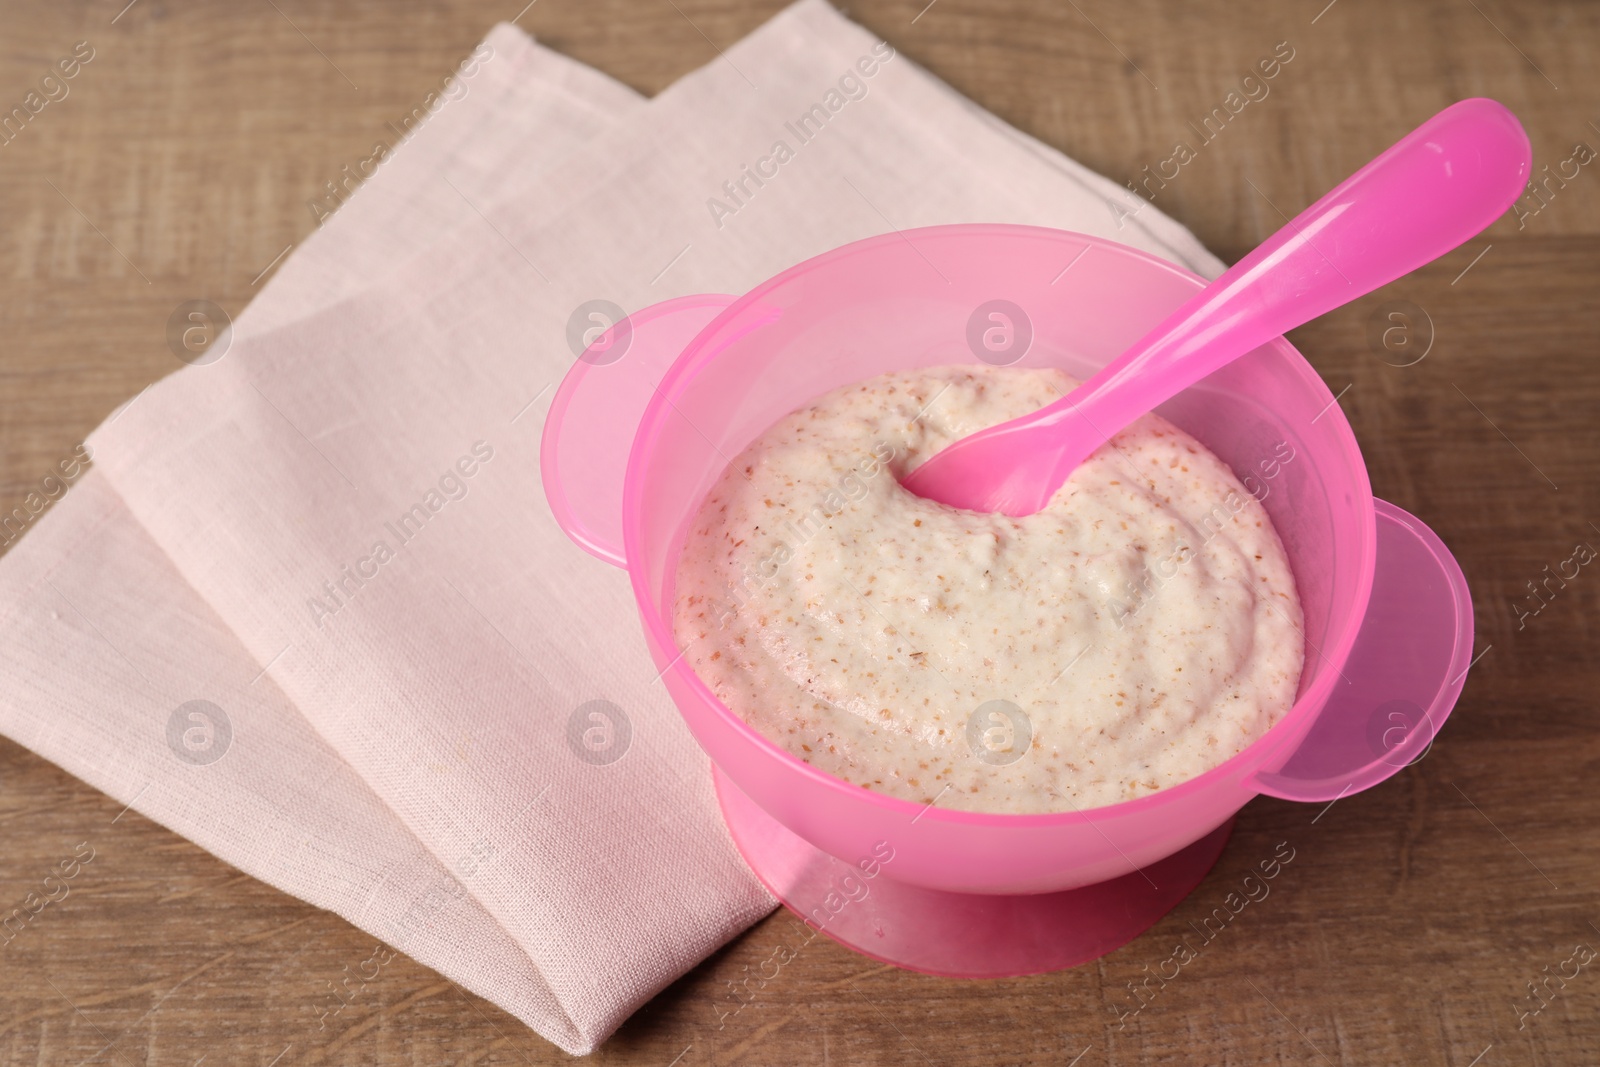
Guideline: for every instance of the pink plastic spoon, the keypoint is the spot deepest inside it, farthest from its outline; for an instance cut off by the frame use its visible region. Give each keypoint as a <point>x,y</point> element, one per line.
<point>1434,189</point>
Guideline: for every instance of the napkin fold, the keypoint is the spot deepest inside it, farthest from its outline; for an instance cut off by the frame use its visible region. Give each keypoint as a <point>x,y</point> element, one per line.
<point>506,112</point>
<point>120,617</point>
<point>334,538</point>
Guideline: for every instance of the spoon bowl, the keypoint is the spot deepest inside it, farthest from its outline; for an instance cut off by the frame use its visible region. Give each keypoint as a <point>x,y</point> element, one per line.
<point>632,445</point>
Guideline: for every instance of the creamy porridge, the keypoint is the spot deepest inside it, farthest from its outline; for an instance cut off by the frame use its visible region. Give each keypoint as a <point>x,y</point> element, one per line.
<point>1140,630</point>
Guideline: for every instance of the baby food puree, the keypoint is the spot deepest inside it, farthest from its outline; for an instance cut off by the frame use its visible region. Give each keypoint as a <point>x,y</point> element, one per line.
<point>1141,629</point>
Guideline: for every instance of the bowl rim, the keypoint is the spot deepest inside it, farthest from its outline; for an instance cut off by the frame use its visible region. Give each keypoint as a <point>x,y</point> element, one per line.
<point>1240,767</point>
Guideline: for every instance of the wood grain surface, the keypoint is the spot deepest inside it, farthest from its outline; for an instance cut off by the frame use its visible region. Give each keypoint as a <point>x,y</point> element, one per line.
<point>1413,918</point>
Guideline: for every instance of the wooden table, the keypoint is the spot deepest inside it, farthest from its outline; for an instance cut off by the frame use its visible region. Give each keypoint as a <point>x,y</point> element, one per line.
<point>1413,917</point>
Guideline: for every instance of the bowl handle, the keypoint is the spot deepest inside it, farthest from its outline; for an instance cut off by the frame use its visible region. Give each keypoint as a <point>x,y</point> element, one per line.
<point>596,411</point>
<point>1403,675</point>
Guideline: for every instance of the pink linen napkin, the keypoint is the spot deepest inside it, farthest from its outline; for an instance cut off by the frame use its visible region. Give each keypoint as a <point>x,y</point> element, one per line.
<point>350,503</point>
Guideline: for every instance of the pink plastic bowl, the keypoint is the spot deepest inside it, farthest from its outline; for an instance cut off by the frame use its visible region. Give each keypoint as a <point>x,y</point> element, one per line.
<point>637,436</point>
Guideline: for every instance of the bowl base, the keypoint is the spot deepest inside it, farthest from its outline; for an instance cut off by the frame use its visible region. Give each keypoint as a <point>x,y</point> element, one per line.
<point>959,935</point>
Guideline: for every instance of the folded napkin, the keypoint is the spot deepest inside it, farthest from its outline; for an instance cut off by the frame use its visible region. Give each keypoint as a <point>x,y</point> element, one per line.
<point>317,614</point>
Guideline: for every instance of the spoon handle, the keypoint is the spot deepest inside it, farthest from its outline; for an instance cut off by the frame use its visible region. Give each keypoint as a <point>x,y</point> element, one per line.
<point>1431,191</point>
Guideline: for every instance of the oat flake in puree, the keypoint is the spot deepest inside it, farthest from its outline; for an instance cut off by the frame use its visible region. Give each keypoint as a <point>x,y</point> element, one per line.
<point>1141,629</point>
